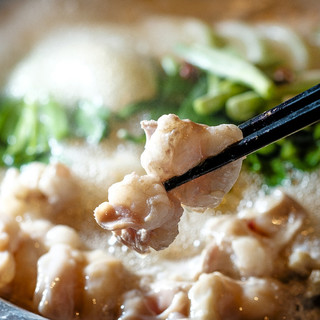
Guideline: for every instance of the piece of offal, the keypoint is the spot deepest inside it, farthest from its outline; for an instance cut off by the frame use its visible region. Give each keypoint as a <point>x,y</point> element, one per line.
<point>139,211</point>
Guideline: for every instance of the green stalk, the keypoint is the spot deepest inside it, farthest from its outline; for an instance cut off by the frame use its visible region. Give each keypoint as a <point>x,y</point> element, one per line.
<point>216,99</point>
<point>243,106</point>
<point>227,65</point>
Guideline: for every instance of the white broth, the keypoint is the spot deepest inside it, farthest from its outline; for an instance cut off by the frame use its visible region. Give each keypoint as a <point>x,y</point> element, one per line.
<point>255,256</point>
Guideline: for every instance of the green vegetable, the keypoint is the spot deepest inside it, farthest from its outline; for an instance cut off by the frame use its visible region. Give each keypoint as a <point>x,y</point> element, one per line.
<point>312,158</point>
<point>9,114</point>
<point>225,64</point>
<point>219,93</point>
<point>175,95</point>
<point>126,135</point>
<point>300,151</point>
<point>288,150</point>
<point>23,138</point>
<point>210,103</point>
<point>91,121</point>
<point>243,106</point>
<point>211,86</point>
<point>29,128</point>
<point>170,66</point>
<point>54,118</point>
<point>268,150</point>
<point>316,132</point>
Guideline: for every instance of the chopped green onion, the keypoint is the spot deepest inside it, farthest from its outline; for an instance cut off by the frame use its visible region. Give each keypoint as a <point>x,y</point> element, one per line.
<point>210,103</point>
<point>243,106</point>
<point>214,83</point>
<point>215,100</point>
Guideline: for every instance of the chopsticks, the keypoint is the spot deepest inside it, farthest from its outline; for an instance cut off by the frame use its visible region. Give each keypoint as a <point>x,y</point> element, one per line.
<point>260,131</point>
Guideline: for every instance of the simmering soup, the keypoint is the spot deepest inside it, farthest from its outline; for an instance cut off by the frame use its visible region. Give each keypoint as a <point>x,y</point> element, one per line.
<point>75,88</point>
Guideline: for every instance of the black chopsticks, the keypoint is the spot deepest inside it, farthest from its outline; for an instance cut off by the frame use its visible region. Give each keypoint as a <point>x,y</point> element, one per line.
<point>281,111</point>
<point>266,128</point>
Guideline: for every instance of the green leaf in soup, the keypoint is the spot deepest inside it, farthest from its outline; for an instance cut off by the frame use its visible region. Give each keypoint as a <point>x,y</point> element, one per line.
<point>91,121</point>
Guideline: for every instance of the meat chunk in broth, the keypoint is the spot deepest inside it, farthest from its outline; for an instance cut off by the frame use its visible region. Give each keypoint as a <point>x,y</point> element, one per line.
<point>267,229</point>
<point>74,283</point>
<point>37,187</point>
<point>10,238</point>
<point>162,302</point>
<point>103,285</point>
<point>215,296</point>
<point>173,146</point>
<point>140,213</point>
<point>57,283</point>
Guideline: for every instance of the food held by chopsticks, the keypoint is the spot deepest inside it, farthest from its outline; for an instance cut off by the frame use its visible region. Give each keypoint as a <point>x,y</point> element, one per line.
<point>184,156</point>
<point>140,212</point>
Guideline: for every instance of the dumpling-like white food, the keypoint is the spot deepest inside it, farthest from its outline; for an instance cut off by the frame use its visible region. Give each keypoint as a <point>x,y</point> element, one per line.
<point>174,146</point>
<point>140,213</point>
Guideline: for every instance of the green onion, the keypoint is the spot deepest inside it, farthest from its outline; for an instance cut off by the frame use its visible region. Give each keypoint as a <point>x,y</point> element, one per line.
<point>243,106</point>
<point>210,103</point>
<point>216,98</point>
<point>225,64</point>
